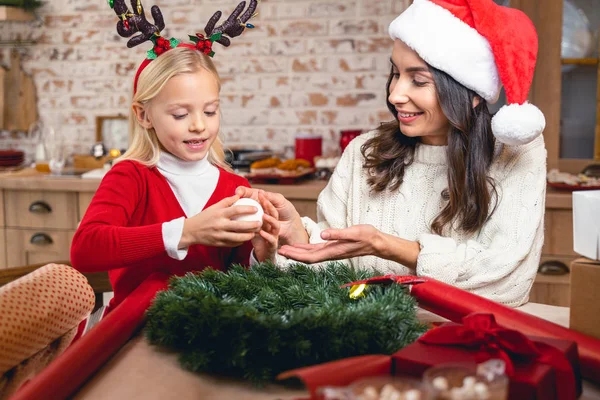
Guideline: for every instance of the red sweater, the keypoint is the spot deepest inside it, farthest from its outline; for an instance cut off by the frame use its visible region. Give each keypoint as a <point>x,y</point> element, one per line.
<point>121,231</point>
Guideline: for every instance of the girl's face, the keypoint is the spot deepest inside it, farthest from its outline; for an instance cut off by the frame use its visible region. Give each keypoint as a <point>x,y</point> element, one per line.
<point>185,115</point>
<point>413,94</point>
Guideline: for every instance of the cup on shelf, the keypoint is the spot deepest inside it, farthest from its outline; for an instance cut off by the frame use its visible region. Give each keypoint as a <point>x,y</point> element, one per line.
<point>346,137</point>
<point>56,151</point>
<point>308,147</point>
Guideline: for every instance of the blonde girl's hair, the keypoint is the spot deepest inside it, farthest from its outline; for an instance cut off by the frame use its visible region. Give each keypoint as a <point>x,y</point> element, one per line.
<point>145,147</point>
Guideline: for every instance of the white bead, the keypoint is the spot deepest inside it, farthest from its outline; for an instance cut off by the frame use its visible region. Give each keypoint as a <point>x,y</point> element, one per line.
<point>469,381</point>
<point>371,393</point>
<point>481,390</point>
<point>412,394</point>
<point>395,395</point>
<point>440,383</point>
<point>387,391</point>
<point>457,393</point>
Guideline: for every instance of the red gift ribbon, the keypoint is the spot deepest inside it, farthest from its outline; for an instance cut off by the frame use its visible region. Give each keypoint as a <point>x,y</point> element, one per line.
<point>481,332</point>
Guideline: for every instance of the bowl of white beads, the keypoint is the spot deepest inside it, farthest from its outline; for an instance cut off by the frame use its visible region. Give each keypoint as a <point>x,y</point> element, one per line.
<point>388,388</point>
<point>467,381</point>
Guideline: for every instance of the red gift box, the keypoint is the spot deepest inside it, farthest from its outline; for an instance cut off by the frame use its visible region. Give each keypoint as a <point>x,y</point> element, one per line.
<point>539,368</point>
<point>453,303</point>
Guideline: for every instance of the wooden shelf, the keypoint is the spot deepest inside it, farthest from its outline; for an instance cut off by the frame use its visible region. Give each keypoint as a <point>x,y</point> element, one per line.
<point>564,279</point>
<point>579,61</point>
<point>8,13</point>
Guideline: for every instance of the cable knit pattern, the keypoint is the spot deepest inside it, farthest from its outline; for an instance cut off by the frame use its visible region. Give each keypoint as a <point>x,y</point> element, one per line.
<point>498,262</point>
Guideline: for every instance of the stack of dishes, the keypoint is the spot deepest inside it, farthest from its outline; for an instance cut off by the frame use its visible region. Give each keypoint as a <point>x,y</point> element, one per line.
<point>11,158</point>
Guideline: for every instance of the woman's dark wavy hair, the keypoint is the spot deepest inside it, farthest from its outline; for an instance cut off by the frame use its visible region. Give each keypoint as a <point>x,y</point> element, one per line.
<point>470,152</point>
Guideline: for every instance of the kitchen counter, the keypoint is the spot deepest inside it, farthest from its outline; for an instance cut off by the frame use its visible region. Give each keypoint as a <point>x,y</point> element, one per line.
<point>39,214</point>
<point>30,179</point>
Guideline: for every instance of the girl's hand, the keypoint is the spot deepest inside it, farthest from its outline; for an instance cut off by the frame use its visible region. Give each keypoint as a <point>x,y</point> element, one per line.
<point>291,228</point>
<point>214,226</point>
<point>358,240</point>
<point>266,240</point>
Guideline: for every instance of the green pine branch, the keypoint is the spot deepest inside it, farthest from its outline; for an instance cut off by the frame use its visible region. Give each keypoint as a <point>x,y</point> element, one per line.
<point>256,323</point>
<point>26,4</point>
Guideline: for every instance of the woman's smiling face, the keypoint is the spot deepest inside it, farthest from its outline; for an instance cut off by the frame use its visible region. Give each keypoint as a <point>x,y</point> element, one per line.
<point>414,95</point>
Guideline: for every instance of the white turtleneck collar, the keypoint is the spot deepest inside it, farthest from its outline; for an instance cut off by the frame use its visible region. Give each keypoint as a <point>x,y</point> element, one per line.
<point>192,181</point>
<point>175,166</point>
<point>429,154</point>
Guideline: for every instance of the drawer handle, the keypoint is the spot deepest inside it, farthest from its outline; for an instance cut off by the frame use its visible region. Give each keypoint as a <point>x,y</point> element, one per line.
<point>41,239</point>
<point>553,267</point>
<point>40,207</point>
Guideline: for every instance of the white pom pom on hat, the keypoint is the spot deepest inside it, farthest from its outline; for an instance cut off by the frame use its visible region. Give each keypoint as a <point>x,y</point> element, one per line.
<point>483,46</point>
<point>518,123</point>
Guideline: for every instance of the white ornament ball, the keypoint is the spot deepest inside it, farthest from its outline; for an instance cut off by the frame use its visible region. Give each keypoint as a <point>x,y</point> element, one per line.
<point>440,383</point>
<point>257,216</point>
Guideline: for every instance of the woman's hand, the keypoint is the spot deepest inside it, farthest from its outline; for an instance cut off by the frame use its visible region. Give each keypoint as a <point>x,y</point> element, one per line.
<point>291,228</point>
<point>265,241</point>
<point>214,226</point>
<point>358,240</point>
<point>355,241</point>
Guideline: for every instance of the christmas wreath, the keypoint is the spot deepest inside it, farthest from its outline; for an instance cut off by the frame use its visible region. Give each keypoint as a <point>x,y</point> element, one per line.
<point>255,323</point>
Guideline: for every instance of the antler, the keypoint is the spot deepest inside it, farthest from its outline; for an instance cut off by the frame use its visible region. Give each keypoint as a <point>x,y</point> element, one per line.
<point>131,23</point>
<point>234,25</point>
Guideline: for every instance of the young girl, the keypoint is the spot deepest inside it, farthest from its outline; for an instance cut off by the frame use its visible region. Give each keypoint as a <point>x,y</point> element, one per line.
<point>166,205</point>
<point>444,190</point>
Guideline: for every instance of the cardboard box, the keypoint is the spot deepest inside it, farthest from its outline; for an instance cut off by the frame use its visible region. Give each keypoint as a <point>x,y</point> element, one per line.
<point>585,297</point>
<point>586,223</point>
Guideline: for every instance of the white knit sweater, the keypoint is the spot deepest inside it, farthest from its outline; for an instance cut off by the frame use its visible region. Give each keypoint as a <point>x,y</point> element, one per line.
<point>499,262</point>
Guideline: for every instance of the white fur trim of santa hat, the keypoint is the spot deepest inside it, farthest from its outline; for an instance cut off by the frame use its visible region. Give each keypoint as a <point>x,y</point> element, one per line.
<point>448,44</point>
<point>516,124</point>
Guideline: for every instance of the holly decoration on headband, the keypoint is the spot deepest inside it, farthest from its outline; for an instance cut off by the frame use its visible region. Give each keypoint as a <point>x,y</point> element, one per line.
<point>160,46</point>
<point>203,44</point>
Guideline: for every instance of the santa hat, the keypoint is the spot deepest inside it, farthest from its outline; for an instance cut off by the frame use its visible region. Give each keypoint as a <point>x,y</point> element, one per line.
<point>483,46</point>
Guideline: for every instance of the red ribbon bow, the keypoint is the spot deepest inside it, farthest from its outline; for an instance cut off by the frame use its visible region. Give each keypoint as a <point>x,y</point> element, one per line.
<point>481,332</point>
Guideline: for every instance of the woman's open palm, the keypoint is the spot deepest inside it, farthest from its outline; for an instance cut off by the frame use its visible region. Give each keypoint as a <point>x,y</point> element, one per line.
<point>357,240</point>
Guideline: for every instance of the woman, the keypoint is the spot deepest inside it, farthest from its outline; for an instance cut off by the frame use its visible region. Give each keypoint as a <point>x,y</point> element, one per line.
<point>444,190</point>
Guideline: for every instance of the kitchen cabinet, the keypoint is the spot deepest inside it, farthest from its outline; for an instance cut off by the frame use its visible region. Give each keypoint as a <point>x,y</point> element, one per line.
<point>566,90</point>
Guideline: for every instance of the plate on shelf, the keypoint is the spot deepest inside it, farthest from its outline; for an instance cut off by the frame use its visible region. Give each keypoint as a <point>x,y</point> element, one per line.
<point>571,188</point>
<point>280,179</point>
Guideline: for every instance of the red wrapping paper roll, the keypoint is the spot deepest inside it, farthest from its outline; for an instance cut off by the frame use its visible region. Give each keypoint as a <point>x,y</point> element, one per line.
<point>453,303</point>
<point>70,370</point>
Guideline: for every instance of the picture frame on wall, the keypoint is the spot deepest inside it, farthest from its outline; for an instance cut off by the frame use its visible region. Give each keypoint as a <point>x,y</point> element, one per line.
<point>113,131</point>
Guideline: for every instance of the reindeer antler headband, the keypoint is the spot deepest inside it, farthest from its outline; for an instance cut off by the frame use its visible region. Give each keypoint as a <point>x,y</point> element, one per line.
<point>133,22</point>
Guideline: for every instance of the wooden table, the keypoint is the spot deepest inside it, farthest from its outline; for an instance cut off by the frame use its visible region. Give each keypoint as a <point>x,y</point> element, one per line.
<point>140,371</point>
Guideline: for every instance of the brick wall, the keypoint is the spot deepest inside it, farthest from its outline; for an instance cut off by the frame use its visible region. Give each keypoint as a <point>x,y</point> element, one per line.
<point>310,66</point>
